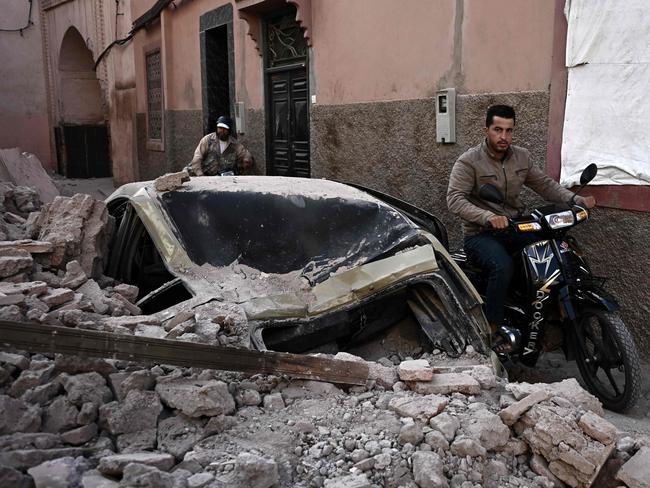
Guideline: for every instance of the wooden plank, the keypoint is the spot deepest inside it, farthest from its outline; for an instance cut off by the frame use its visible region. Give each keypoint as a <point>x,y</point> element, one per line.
<point>90,343</point>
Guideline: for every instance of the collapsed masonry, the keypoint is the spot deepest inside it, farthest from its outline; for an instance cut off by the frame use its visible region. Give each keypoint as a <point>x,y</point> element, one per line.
<point>68,421</point>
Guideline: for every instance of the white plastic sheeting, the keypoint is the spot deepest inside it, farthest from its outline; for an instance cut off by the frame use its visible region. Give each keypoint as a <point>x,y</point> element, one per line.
<point>607,117</point>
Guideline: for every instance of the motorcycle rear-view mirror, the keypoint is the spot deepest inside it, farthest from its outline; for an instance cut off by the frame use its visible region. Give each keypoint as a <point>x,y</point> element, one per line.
<point>588,174</point>
<point>490,193</point>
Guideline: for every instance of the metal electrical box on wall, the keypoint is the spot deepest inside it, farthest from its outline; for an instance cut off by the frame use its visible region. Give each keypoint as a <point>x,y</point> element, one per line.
<point>446,116</point>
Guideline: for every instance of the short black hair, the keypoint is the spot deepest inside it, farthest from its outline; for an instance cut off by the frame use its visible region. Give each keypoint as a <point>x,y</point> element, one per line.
<point>505,111</point>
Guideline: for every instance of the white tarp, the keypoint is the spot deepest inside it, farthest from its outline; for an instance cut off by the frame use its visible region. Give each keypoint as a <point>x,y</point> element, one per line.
<point>607,116</point>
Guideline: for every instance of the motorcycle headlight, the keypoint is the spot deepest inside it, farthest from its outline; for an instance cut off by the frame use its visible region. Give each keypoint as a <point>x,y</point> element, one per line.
<point>582,215</point>
<point>529,227</point>
<point>561,219</point>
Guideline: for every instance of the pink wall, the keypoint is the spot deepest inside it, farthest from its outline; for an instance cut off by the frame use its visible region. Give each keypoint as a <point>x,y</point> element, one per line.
<point>507,45</point>
<point>371,50</point>
<point>30,133</point>
<point>23,102</point>
<point>178,32</point>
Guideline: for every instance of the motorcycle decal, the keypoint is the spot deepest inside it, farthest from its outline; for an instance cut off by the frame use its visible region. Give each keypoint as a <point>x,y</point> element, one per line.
<point>542,294</point>
<point>541,254</point>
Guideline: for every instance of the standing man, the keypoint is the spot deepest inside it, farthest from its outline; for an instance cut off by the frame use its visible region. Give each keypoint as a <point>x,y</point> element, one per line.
<point>219,153</point>
<point>507,167</point>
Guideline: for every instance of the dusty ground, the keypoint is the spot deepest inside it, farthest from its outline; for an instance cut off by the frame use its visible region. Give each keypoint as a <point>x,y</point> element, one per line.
<point>553,367</point>
<point>100,188</point>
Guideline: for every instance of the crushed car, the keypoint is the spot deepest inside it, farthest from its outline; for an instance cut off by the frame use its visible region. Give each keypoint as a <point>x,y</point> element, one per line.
<point>314,265</point>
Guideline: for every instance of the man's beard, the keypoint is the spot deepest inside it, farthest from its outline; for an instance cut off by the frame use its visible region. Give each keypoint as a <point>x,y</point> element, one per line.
<point>224,136</point>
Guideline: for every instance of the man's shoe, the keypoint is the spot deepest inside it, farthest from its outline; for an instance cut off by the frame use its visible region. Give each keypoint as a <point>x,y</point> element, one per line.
<point>505,340</point>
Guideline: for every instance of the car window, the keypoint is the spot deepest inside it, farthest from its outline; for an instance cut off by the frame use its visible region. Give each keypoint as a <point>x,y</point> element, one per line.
<point>277,233</point>
<point>135,260</point>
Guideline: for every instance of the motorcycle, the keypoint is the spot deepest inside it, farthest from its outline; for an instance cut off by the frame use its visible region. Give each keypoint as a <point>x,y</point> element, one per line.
<point>555,301</point>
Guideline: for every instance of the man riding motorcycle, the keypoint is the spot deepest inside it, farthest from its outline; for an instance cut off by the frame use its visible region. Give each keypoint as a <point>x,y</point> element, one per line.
<point>508,168</point>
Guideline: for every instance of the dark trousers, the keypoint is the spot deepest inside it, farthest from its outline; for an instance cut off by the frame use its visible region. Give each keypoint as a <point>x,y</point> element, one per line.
<point>493,252</point>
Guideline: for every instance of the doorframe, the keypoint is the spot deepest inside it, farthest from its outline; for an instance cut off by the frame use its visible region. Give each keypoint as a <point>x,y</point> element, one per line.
<point>267,91</point>
<point>217,18</point>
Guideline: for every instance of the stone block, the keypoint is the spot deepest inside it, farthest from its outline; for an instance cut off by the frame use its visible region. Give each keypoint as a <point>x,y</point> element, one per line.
<point>142,440</point>
<point>598,428</point>
<point>78,228</point>
<point>80,435</point>
<point>11,313</point>
<point>94,479</point>
<point>636,472</point>
<point>91,290</point>
<point>569,389</point>
<point>114,465</point>
<point>13,261</point>
<point>428,470</point>
<point>28,458</point>
<point>465,446</point>
<point>415,370</point>
<point>38,440</point>
<point>59,473</point>
<point>273,402</point>
<point>446,383</point>
<point>253,471</point>
<point>30,378</point>
<point>60,415</point>
<point>75,276</point>
<point>385,376</point>
<point>12,478</point>
<point>349,481</point>
<point>179,434</point>
<point>447,424</point>
<point>86,387</point>
<point>139,411</point>
<point>131,322</point>
<point>57,296</point>
<point>29,245</point>
<point>130,292</point>
<point>11,299</point>
<point>26,288</point>
<point>511,414</point>
<point>18,360</point>
<point>171,181</point>
<point>196,398</point>
<point>416,407</point>
<point>488,429</point>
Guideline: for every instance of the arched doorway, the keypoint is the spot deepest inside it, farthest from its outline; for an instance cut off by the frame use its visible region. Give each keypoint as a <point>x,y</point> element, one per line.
<point>82,133</point>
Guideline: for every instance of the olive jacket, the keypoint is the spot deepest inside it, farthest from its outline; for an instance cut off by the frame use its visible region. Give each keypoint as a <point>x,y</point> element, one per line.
<point>478,166</point>
<point>208,159</point>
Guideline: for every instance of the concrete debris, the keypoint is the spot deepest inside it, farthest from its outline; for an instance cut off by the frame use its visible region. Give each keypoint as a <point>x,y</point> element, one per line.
<point>14,261</point>
<point>416,422</point>
<point>78,228</point>
<point>171,181</point>
<point>636,472</point>
<point>24,169</point>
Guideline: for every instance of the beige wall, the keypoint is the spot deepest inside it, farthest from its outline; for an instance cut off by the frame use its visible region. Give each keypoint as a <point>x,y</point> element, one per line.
<point>23,101</point>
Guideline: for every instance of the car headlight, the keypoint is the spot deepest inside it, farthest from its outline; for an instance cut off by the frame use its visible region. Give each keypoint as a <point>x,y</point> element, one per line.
<point>561,219</point>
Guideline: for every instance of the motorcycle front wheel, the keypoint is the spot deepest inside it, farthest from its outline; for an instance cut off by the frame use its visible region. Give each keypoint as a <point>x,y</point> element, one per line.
<point>608,359</point>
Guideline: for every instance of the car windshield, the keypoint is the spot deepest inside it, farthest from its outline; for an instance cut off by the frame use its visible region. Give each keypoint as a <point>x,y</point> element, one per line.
<point>281,232</point>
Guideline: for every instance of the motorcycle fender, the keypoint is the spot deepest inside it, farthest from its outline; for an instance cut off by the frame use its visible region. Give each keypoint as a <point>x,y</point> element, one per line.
<point>595,298</point>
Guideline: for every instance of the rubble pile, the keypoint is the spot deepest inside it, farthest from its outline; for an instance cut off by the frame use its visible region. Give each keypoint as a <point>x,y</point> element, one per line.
<point>77,422</point>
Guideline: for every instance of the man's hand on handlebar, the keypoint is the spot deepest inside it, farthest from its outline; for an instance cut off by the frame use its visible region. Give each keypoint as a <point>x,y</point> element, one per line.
<point>499,222</point>
<point>589,202</point>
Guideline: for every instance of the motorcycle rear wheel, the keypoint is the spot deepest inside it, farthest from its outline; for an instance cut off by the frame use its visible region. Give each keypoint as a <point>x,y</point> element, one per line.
<point>609,360</point>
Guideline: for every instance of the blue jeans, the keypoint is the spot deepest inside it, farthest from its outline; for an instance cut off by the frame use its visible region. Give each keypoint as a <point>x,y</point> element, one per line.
<point>492,251</point>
